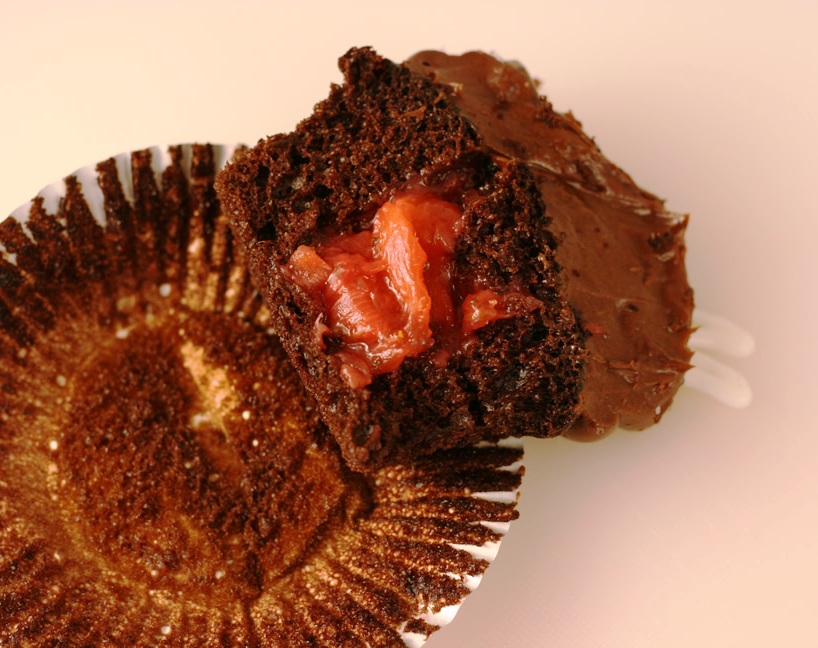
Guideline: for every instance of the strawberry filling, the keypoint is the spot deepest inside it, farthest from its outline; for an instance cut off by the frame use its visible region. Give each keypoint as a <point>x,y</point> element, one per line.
<point>385,289</point>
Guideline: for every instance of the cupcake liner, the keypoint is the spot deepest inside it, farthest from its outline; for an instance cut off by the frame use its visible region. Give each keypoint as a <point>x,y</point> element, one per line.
<point>163,477</point>
<point>713,334</point>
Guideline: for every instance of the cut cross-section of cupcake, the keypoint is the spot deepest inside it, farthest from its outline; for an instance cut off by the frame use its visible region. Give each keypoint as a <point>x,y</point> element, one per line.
<point>410,275</point>
<point>163,475</point>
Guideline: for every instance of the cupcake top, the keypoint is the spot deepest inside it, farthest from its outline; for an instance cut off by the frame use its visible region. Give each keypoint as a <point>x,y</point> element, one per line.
<point>621,253</point>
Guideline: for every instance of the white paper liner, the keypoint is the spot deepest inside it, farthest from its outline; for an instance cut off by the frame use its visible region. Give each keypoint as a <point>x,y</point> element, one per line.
<point>715,335</point>
<point>450,510</point>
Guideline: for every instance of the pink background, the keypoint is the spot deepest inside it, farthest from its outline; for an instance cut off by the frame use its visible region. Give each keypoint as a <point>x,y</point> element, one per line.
<point>701,532</point>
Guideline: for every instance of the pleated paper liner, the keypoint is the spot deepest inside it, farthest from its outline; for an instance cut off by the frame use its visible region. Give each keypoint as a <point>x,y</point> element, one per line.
<point>163,478</point>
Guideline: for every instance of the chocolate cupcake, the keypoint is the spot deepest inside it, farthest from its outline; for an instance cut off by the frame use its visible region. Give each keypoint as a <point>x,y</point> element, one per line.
<point>163,476</point>
<point>434,233</point>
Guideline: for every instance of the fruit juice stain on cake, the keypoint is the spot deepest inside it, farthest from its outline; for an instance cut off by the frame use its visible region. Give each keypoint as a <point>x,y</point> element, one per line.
<point>384,289</point>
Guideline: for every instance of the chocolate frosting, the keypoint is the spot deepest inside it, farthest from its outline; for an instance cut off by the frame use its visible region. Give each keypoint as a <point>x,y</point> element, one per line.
<point>621,252</point>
